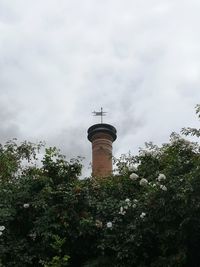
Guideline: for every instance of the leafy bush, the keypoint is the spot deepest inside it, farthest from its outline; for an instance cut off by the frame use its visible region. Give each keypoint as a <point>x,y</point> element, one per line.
<point>148,214</point>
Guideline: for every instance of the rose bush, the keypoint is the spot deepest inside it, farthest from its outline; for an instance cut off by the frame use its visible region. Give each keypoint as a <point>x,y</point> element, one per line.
<point>147,214</point>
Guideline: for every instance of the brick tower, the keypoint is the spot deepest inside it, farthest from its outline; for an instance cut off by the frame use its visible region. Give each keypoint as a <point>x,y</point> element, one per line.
<point>102,136</point>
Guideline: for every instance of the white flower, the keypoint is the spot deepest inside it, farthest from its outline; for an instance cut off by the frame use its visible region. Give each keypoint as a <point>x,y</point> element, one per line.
<point>32,236</point>
<point>26,205</point>
<point>122,212</point>
<point>161,177</point>
<point>133,176</point>
<point>109,225</point>
<point>142,215</point>
<point>143,182</point>
<point>128,202</point>
<point>135,200</point>
<point>132,168</point>
<point>2,228</point>
<point>1,233</point>
<point>134,206</point>
<point>154,185</point>
<point>163,187</point>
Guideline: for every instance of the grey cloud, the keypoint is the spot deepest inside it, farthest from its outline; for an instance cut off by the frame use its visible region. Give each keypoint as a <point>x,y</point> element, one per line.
<point>8,126</point>
<point>59,61</point>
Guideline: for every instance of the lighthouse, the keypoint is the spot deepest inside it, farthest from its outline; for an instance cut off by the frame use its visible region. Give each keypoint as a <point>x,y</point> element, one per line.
<point>101,136</point>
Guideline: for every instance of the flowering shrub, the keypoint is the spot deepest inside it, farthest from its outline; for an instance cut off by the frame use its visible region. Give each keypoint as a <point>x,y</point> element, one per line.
<point>148,215</point>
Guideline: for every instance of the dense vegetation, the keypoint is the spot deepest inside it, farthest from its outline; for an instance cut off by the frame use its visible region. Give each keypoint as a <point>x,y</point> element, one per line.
<point>148,214</point>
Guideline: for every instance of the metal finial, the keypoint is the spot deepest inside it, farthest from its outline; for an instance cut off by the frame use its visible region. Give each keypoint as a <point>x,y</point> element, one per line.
<point>100,113</point>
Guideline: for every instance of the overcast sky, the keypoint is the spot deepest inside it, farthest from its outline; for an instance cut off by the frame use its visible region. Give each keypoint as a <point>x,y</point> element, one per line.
<point>62,59</point>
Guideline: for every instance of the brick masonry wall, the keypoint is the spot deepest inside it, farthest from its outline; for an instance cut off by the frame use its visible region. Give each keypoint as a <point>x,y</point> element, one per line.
<point>101,155</point>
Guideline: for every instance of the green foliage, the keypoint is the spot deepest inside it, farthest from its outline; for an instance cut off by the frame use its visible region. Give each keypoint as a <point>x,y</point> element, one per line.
<point>148,214</point>
<point>193,131</point>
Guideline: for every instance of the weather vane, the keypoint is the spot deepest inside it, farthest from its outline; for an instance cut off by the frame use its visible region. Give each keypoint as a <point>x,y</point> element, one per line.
<point>100,113</point>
